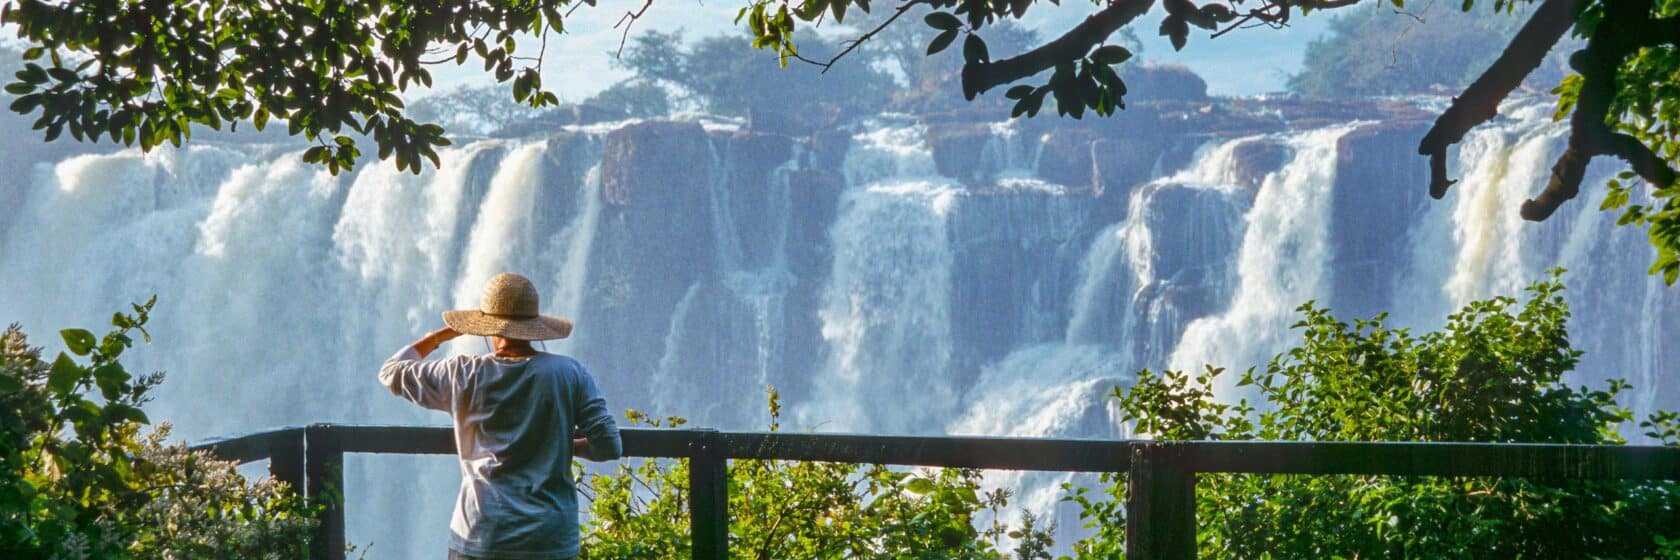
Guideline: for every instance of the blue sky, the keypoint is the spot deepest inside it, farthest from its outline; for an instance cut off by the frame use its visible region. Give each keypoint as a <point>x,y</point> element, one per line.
<point>578,64</point>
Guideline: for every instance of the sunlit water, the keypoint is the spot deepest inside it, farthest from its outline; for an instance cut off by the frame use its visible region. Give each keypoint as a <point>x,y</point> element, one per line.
<point>932,305</point>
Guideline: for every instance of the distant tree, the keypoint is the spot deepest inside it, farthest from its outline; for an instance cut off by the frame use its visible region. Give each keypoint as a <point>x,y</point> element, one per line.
<point>1384,51</point>
<point>473,109</point>
<point>1495,373</point>
<point>143,72</point>
<point>724,75</point>
<point>635,97</point>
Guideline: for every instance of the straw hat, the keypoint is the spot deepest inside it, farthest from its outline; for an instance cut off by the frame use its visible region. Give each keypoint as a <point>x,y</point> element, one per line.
<point>509,310</point>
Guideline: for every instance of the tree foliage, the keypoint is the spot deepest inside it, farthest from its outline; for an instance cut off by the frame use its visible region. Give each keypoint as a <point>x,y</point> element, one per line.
<point>1495,373</point>
<point>79,480</point>
<point>1430,49</point>
<point>724,75</point>
<point>814,510</point>
<point>635,97</point>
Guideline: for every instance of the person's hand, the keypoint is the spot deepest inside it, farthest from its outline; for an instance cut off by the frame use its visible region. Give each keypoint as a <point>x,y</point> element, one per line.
<point>580,447</point>
<point>445,334</point>
<point>433,339</point>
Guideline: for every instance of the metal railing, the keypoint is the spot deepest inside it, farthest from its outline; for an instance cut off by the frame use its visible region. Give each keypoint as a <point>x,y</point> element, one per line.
<point>1160,509</point>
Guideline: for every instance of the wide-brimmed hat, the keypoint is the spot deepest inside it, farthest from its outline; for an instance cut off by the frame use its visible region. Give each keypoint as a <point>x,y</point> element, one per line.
<point>509,310</point>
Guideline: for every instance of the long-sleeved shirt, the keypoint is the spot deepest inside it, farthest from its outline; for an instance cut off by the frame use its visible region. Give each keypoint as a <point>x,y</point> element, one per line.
<point>514,423</point>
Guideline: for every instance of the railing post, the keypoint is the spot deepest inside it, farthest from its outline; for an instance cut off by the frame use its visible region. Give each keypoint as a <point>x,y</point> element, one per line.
<point>324,485</point>
<point>1161,504</point>
<point>708,496</point>
<point>285,460</point>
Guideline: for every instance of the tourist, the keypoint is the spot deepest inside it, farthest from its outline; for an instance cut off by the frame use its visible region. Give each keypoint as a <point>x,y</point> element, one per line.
<point>520,416</point>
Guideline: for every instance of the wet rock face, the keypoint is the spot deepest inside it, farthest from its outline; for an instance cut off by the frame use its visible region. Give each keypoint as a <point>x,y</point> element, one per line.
<point>654,240</point>
<point>1121,164</point>
<point>1256,159</point>
<point>828,149</point>
<point>1015,257</point>
<point>1381,186</point>
<point>815,196</point>
<point>957,148</point>
<point>1067,158</point>
<point>755,196</point>
<point>1192,229</point>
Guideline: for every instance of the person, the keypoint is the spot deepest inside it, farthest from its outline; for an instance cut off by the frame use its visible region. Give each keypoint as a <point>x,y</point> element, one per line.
<point>520,416</point>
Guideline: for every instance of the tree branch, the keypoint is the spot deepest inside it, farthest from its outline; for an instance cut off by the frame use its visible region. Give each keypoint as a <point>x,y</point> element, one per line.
<point>855,43</point>
<point>1623,31</point>
<point>978,77</point>
<point>1480,101</point>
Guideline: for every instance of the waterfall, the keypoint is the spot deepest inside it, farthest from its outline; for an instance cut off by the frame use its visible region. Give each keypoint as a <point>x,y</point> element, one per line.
<point>1281,264</point>
<point>886,310</point>
<point>576,243</point>
<point>502,236</point>
<point>1473,244</point>
<point>1004,295</point>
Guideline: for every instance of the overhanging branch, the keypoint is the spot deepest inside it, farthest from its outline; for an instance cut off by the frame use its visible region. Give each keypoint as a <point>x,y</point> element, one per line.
<point>1480,101</point>
<point>1625,29</point>
<point>977,77</point>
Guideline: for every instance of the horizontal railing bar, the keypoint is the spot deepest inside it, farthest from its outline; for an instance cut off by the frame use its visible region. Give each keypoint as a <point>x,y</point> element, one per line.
<point>248,448</point>
<point>1526,460</point>
<point>1520,460</point>
<point>935,451</point>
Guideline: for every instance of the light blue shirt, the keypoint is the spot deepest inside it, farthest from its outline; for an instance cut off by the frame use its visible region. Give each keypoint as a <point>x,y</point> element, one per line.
<point>514,422</point>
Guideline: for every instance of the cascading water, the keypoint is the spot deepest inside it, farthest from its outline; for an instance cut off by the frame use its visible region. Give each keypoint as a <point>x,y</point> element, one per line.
<point>879,292</point>
<point>886,310</point>
<point>1281,262</point>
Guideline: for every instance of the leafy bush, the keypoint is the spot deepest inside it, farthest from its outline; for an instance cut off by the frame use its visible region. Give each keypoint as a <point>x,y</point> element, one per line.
<point>807,510</point>
<point>78,479</point>
<point>1494,374</point>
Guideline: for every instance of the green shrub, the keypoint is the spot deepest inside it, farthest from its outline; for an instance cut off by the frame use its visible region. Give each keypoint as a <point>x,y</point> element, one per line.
<point>1495,373</point>
<point>806,510</point>
<point>78,479</point>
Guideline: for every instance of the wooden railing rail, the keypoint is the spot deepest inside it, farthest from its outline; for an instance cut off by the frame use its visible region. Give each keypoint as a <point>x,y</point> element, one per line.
<point>1160,511</point>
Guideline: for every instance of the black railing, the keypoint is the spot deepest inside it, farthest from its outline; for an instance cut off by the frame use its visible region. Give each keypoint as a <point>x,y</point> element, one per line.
<point>1160,510</point>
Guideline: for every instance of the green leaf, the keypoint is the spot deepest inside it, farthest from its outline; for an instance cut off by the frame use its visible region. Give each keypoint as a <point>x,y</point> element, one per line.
<point>128,413</point>
<point>940,42</point>
<point>62,378</point>
<point>1111,54</point>
<point>920,486</point>
<point>1018,92</point>
<point>10,383</point>
<point>78,341</point>
<point>110,378</point>
<point>943,21</point>
<point>974,50</point>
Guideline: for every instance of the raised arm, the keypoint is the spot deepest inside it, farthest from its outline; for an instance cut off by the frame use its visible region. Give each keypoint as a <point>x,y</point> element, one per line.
<point>428,384</point>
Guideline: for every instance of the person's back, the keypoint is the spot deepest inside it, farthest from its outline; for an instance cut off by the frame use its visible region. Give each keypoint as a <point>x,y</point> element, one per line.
<point>516,414</point>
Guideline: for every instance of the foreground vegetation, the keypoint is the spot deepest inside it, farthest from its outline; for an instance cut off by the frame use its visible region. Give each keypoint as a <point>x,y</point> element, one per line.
<point>1495,373</point>
<point>80,478</point>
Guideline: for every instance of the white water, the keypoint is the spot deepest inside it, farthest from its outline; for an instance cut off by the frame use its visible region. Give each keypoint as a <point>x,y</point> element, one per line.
<point>1003,308</point>
<point>886,309</point>
<point>1282,262</point>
